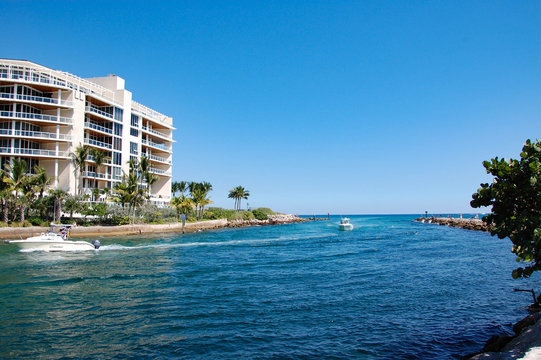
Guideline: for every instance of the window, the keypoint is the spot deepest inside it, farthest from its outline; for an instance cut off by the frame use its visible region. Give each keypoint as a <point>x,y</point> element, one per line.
<point>134,121</point>
<point>117,144</point>
<point>118,114</point>
<point>117,158</point>
<point>133,148</point>
<point>118,129</point>
<point>134,132</point>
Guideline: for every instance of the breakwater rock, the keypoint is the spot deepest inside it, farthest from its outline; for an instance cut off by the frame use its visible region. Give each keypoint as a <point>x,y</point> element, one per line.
<point>525,344</point>
<point>469,224</point>
<point>272,220</point>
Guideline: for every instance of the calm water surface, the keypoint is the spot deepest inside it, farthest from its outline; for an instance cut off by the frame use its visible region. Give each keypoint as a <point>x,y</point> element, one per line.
<point>390,289</point>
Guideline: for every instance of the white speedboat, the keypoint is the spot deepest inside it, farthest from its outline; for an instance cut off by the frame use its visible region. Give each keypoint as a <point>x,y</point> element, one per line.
<point>56,239</point>
<point>345,224</point>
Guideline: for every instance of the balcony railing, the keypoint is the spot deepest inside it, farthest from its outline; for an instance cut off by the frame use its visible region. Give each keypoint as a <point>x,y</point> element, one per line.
<point>41,135</point>
<point>91,158</point>
<point>98,143</point>
<point>95,175</point>
<point>36,152</point>
<point>157,158</point>
<point>90,125</point>
<point>158,133</point>
<point>159,171</point>
<point>99,112</point>
<point>156,145</point>
<point>39,117</point>
<point>41,99</point>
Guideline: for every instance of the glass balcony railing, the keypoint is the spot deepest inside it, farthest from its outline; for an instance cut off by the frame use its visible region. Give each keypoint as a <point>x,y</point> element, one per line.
<point>155,145</point>
<point>42,135</point>
<point>158,133</point>
<point>94,175</point>
<point>159,171</point>
<point>38,117</point>
<point>90,125</point>
<point>99,112</point>
<point>35,152</point>
<point>40,99</point>
<point>98,143</point>
<point>91,158</point>
<point>157,158</point>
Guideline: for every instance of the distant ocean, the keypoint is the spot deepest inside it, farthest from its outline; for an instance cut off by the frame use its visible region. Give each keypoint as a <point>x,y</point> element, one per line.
<point>389,289</point>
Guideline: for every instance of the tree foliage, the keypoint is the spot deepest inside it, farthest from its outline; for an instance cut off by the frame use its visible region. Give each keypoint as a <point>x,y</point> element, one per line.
<point>515,197</point>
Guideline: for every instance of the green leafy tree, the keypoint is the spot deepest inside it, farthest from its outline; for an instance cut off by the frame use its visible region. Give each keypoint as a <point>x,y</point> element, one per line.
<point>515,197</point>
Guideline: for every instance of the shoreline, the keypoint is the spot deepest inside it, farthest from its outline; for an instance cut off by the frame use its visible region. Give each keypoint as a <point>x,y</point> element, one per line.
<point>7,233</point>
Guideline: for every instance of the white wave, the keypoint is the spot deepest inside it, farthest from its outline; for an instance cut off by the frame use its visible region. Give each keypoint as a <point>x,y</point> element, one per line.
<point>118,247</point>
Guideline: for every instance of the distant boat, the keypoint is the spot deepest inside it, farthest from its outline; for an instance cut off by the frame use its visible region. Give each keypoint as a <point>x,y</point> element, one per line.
<point>56,239</point>
<point>345,225</point>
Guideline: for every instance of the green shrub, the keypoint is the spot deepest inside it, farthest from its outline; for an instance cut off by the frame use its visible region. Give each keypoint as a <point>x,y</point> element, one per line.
<point>259,214</point>
<point>27,223</point>
<point>15,224</point>
<point>34,220</point>
<point>3,224</point>
<point>214,213</point>
<point>44,223</point>
<point>266,211</point>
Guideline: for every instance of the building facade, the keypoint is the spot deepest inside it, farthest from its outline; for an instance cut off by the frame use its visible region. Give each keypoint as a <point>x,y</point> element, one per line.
<point>45,114</point>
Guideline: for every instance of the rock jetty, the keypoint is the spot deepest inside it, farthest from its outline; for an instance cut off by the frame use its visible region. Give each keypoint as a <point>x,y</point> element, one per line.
<point>272,220</point>
<point>139,229</point>
<point>469,224</point>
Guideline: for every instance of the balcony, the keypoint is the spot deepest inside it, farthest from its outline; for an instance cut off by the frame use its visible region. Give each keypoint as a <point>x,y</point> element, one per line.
<point>35,117</point>
<point>157,158</point>
<point>91,158</point>
<point>159,171</point>
<point>94,175</point>
<point>104,114</point>
<point>38,99</point>
<point>99,144</point>
<point>37,135</point>
<point>155,145</point>
<point>157,133</point>
<point>93,126</point>
<point>34,152</point>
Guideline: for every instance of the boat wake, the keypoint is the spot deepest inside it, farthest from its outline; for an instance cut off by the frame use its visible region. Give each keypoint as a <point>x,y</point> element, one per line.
<point>250,242</point>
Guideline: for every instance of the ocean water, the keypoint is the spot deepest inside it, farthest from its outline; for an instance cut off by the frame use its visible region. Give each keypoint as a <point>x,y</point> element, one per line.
<point>390,289</point>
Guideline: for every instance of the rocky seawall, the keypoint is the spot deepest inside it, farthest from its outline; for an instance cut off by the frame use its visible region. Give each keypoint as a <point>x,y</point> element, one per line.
<point>469,224</point>
<point>140,229</point>
<point>524,344</point>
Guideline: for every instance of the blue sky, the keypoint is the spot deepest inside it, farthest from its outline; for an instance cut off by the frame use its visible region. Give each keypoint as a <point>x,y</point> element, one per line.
<point>348,107</point>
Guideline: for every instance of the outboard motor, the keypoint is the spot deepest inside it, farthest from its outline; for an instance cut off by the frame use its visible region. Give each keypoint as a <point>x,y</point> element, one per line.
<point>96,244</point>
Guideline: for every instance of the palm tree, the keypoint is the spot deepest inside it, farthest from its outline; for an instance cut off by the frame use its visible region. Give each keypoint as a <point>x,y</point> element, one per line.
<point>179,186</point>
<point>58,197</point>
<point>41,180</point>
<point>199,198</point>
<point>78,158</point>
<point>100,157</point>
<point>16,177</point>
<point>183,204</point>
<point>238,194</point>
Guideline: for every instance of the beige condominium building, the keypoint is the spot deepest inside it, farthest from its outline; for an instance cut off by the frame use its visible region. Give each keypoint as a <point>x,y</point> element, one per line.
<point>45,114</point>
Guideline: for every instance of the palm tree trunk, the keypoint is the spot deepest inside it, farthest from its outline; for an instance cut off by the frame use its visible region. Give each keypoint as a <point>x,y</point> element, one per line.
<point>5,203</point>
<point>22,214</point>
